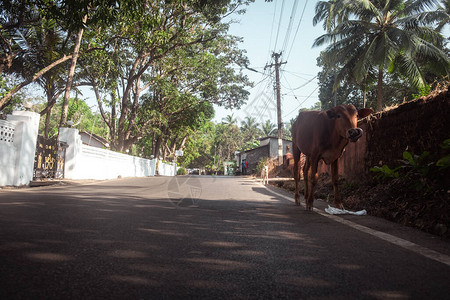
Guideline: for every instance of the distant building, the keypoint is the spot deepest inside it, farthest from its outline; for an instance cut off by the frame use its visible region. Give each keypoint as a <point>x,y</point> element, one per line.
<point>268,147</point>
<point>91,139</point>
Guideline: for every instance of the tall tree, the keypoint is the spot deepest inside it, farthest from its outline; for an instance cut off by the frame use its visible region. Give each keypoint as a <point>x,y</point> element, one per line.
<point>229,120</point>
<point>161,55</point>
<point>40,46</point>
<point>18,17</point>
<point>268,128</point>
<point>250,130</point>
<point>385,35</point>
<point>76,53</point>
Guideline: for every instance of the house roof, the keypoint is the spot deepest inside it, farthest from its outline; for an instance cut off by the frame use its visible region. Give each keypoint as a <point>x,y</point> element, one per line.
<point>95,137</point>
<point>273,137</point>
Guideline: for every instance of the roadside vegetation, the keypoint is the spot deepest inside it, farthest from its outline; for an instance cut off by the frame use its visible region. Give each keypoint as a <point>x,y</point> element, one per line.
<point>157,67</point>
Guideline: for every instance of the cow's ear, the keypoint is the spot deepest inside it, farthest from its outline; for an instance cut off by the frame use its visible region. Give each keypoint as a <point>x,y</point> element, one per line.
<point>364,112</point>
<point>331,113</point>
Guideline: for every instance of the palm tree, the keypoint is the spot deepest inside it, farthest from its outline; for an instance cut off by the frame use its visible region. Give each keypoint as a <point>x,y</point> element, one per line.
<point>330,12</point>
<point>42,44</point>
<point>229,120</point>
<point>250,129</point>
<point>386,35</point>
<point>268,128</point>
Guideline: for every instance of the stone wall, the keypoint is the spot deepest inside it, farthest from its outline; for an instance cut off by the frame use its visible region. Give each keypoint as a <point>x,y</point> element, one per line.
<point>254,156</point>
<point>416,126</point>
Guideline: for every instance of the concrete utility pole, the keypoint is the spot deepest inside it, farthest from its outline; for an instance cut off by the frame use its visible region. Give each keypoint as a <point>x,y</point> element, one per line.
<point>278,93</point>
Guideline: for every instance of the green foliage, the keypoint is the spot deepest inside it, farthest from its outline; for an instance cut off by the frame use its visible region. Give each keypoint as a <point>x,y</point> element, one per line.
<point>251,133</point>
<point>424,91</point>
<point>156,66</point>
<point>80,114</point>
<point>7,83</point>
<point>181,171</point>
<point>417,165</point>
<point>249,145</point>
<point>268,128</point>
<point>444,162</point>
<point>384,172</point>
<point>423,172</point>
<point>262,162</point>
<point>369,39</point>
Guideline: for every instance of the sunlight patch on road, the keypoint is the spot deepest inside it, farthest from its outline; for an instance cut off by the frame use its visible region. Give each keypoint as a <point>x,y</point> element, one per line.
<point>223,244</point>
<point>251,253</point>
<point>304,281</point>
<point>434,255</point>
<point>162,232</point>
<point>135,280</point>
<point>48,257</point>
<point>127,254</point>
<point>347,267</point>
<point>209,284</point>
<point>219,264</point>
<point>388,295</point>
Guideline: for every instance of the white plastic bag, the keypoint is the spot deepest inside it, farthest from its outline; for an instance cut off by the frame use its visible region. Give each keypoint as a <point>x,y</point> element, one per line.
<point>338,211</point>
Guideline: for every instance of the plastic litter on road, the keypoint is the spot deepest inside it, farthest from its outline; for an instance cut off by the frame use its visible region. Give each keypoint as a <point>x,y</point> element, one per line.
<point>337,211</point>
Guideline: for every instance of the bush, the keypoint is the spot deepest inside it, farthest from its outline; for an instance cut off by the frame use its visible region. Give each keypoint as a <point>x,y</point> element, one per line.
<point>181,171</point>
<point>425,172</point>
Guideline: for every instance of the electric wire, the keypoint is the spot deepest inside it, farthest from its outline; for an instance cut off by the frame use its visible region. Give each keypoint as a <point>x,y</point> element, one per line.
<point>267,100</point>
<point>279,25</point>
<point>271,29</point>
<point>289,29</point>
<point>301,103</point>
<point>298,26</point>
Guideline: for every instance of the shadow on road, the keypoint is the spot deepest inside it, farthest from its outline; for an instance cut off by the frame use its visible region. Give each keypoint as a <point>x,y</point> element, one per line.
<point>125,242</point>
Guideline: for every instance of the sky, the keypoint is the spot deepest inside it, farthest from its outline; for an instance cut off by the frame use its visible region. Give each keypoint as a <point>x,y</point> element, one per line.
<point>265,30</point>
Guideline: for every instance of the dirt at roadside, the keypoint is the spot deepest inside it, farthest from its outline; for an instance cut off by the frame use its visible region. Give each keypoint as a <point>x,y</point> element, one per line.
<point>395,201</point>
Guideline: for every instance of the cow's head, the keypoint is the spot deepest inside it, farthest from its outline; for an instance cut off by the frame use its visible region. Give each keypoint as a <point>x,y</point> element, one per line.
<point>346,119</point>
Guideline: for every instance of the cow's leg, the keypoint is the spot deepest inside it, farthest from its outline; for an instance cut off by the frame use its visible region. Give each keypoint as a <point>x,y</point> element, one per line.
<point>296,154</point>
<point>335,180</point>
<point>306,168</point>
<point>313,178</point>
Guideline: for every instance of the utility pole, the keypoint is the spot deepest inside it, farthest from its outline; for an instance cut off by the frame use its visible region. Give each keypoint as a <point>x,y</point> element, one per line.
<point>278,93</point>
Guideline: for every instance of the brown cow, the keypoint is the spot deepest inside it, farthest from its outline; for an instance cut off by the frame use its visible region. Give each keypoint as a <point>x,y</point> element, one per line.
<point>323,135</point>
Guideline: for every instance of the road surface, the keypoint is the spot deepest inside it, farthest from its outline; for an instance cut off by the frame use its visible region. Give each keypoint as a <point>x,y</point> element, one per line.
<point>204,237</point>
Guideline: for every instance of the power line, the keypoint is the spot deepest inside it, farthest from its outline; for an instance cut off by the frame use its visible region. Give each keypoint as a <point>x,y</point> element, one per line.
<point>268,100</point>
<point>297,74</point>
<point>271,29</point>
<point>298,26</point>
<point>290,89</point>
<point>289,29</point>
<point>279,25</point>
<point>296,109</point>
<point>306,83</point>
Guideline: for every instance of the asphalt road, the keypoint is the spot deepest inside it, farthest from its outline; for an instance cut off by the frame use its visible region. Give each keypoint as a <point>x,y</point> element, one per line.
<point>204,238</point>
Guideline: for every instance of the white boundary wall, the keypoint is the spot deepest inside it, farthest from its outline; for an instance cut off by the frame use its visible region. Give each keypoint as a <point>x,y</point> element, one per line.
<point>167,169</point>
<point>87,162</point>
<point>18,136</point>
<point>96,163</point>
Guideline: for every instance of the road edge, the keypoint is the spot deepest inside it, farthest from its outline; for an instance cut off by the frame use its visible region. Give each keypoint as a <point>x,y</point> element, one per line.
<point>418,249</point>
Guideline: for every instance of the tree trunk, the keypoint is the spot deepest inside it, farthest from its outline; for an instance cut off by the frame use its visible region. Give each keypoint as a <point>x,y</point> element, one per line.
<point>156,150</point>
<point>76,52</point>
<point>380,89</point>
<point>28,81</point>
<point>365,93</point>
<point>335,91</point>
<point>47,123</point>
